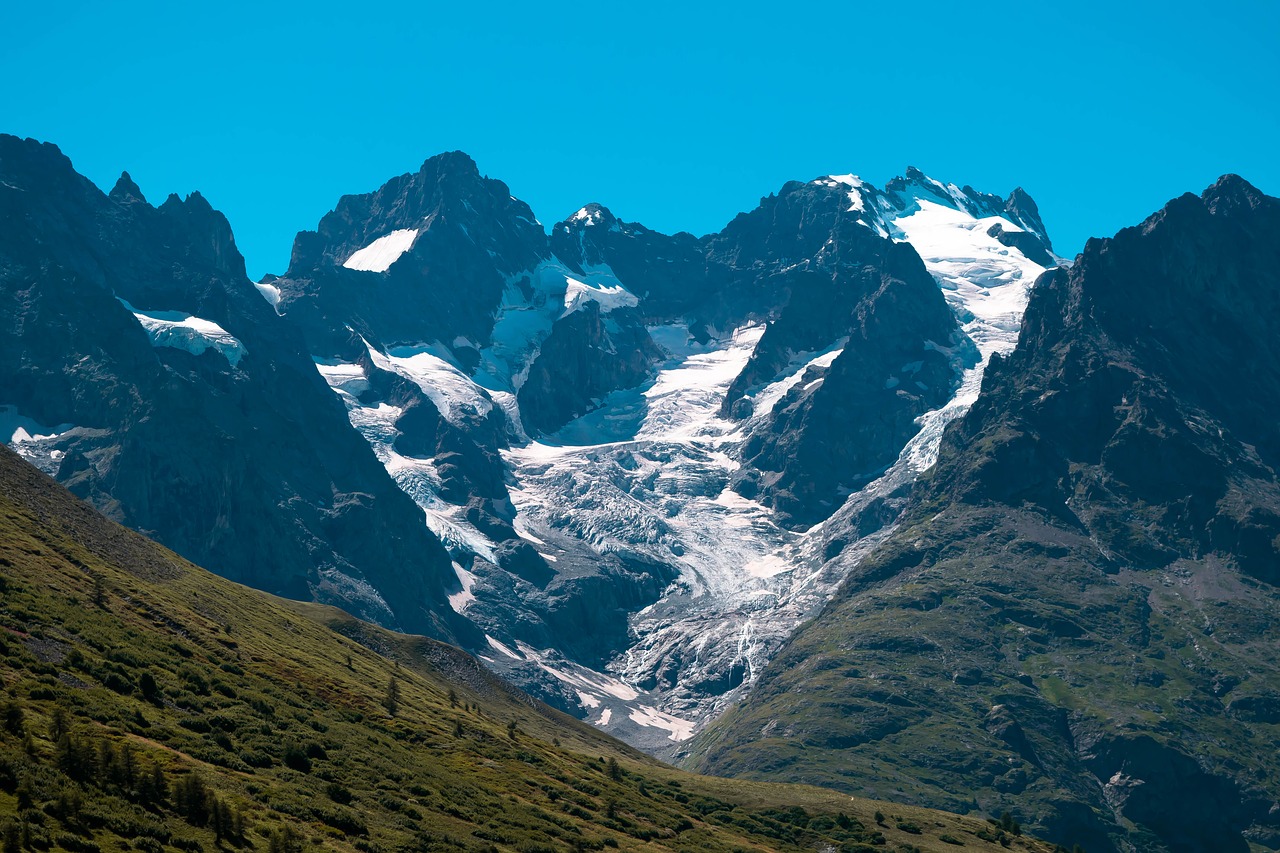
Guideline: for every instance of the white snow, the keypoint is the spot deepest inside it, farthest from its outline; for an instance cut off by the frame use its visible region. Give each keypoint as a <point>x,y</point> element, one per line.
<point>577,676</point>
<point>978,274</point>
<point>271,293</point>
<point>605,716</point>
<point>608,297</point>
<point>766,398</point>
<point>855,184</point>
<point>647,715</point>
<point>451,390</point>
<point>379,255</point>
<point>459,600</point>
<point>186,332</point>
<point>33,441</point>
<point>503,649</point>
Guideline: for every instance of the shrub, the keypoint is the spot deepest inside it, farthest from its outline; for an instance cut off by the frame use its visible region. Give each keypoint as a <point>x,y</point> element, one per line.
<point>296,758</point>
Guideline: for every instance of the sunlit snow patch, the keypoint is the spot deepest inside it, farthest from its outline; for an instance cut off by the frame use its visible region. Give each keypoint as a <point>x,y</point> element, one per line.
<point>651,717</point>
<point>608,297</point>
<point>451,390</point>
<point>379,255</point>
<point>269,292</point>
<point>459,600</point>
<point>186,332</point>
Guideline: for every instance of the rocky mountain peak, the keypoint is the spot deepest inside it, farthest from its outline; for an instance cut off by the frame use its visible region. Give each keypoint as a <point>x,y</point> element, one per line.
<point>447,192</point>
<point>207,230</point>
<point>126,191</point>
<point>1231,193</point>
<point>592,215</point>
<point>453,163</point>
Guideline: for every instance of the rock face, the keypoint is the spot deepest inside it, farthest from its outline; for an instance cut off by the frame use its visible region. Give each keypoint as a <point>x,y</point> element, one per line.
<point>1074,619</point>
<point>840,289</point>
<point>180,404</point>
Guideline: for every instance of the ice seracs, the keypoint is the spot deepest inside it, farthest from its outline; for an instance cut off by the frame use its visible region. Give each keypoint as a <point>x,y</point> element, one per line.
<point>183,331</point>
<point>33,441</point>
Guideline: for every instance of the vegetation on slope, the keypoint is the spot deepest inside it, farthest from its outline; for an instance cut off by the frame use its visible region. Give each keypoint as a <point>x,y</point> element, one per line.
<point>150,705</point>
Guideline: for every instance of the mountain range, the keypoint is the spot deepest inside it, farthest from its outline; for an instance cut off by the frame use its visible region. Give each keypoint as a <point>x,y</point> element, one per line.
<point>935,514</point>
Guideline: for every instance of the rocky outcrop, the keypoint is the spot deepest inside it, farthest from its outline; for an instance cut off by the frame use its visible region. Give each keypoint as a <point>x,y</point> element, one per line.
<point>587,355</point>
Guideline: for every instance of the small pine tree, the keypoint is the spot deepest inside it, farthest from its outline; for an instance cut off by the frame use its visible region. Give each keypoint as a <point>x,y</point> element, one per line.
<point>512,729</point>
<point>615,772</point>
<point>74,758</point>
<point>58,724</point>
<point>125,771</point>
<point>392,700</point>
<point>99,592</point>
<point>879,818</point>
<point>13,718</point>
<point>192,800</point>
<point>12,838</point>
<point>106,757</point>
<point>153,789</point>
<point>457,729</point>
<point>148,688</point>
<point>453,698</point>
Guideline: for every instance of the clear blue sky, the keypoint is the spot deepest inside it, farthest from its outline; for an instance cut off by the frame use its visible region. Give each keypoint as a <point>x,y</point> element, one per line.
<point>677,115</point>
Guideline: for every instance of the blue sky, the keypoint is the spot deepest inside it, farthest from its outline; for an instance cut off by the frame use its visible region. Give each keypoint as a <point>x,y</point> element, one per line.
<point>677,115</point>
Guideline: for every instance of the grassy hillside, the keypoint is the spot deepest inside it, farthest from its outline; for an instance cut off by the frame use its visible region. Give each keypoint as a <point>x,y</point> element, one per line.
<point>150,705</point>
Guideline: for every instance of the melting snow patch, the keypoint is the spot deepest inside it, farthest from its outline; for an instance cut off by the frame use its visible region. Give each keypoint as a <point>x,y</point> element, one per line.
<point>459,600</point>
<point>185,332</point>
<point>763,401</point>
<point>379,255</point>
<point>271,293</point>
<point>501,648</point>
<point>587,700</point>
<point>605,716</point>
<point>647,715</point>
<point>581,677</point>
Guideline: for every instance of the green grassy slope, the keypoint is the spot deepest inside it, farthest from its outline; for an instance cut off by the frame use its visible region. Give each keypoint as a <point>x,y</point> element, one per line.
<point>150,705</point>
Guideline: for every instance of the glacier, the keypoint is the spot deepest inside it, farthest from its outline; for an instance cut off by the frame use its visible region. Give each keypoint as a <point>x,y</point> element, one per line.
<point>647,472</point>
